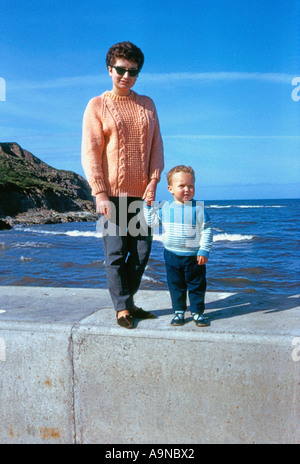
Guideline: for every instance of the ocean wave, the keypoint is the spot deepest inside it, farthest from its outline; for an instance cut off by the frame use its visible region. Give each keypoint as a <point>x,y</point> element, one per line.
<point>31,245</point>
<point>149,279</point>
<point>31,230</point>
<point>74,233</point>
<point>77,233</point>
<point>70,233</point>
<point>4,246</point>
<point>232,237</point>
<point>97,234</point>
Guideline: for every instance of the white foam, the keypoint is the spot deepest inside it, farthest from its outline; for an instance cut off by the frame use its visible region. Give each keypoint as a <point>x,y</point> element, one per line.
<point>232,237</point>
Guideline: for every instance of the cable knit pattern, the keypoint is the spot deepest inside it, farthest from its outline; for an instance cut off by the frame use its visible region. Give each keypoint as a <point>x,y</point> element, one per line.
<point>122,148</point>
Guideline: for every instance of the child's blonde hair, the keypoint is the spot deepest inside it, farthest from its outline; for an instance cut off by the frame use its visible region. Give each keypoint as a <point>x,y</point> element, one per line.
<point>180,168</point>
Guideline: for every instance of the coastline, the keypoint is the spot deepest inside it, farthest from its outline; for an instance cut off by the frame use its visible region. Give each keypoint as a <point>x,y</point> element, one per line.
<point>43,216</point>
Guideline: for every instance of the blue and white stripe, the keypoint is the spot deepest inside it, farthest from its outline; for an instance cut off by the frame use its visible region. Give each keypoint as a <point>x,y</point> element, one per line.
<point>186,228</point>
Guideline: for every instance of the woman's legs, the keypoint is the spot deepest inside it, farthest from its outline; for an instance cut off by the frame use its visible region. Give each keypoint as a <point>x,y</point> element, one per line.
<point>127,246</point>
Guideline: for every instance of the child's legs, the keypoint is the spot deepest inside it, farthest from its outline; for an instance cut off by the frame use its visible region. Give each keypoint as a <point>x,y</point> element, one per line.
<point>195,276</point>
<point>176,281</point>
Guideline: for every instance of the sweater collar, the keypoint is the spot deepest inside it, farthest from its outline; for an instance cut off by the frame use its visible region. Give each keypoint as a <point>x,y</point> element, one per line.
<point>118,98</point>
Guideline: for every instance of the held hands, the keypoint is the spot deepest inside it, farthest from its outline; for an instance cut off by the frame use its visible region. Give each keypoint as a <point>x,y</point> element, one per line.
<point>103,203</point>
<point>149,194</point>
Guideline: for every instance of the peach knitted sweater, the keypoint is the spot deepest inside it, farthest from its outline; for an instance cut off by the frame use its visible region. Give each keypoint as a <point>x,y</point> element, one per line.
<point>122,148</point>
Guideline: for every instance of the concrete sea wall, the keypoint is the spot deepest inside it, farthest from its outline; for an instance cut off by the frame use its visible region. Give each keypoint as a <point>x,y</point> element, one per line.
<point>69,374</point>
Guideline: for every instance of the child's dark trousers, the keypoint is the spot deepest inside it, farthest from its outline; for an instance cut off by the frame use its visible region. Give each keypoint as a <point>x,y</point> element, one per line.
<point>185,275</point>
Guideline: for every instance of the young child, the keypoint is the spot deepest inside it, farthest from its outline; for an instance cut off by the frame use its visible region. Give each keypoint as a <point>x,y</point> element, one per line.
<point>187,239</point>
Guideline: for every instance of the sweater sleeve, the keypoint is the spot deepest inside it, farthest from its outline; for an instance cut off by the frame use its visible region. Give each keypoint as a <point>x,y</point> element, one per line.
<point>92,146</point>
<point>152,215</point>
<point>206,240</point>
<point>157,152</point>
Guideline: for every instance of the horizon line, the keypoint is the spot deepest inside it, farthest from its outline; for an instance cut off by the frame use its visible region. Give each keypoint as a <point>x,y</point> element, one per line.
<point>205,136</point>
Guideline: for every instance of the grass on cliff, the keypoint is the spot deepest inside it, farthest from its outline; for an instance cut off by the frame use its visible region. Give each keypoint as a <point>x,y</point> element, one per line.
<point>24,178</point>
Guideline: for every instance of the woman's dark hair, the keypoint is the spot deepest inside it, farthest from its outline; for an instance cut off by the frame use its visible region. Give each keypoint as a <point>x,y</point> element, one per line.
<point>126,50</point>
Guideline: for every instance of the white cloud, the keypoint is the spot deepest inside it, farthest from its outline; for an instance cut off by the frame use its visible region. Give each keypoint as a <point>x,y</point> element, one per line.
<point>221,76</point>
<point>60,82</point>
<point>92,80</point>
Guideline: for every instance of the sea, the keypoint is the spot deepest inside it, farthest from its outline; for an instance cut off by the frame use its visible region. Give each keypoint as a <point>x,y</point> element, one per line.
<point>255,250</point>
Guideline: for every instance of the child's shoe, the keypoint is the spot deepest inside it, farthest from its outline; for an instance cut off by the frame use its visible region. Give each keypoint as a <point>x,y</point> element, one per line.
<point>200,320</point>
<point>178,319</point>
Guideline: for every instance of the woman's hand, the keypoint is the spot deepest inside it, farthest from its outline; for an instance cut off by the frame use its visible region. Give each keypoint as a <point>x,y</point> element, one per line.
<point>149,194</point>
<point>103,204</point>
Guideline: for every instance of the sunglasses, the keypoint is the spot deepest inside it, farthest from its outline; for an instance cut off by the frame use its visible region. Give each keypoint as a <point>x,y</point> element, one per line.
<point>122,71</point>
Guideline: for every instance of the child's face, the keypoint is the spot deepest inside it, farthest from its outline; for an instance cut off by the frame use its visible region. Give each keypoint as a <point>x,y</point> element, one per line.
<point>182,187</point>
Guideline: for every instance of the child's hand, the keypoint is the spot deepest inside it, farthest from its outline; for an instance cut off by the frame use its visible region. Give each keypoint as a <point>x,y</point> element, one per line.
<point>201,260</point>
<point>149,198</point>
<point>149,194</point>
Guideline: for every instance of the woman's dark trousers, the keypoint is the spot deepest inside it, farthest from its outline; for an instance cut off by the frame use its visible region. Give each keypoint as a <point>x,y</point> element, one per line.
<point>127,244</point>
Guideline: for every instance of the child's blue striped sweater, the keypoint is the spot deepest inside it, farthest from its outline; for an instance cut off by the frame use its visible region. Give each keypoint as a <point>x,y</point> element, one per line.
<point>186,228</point>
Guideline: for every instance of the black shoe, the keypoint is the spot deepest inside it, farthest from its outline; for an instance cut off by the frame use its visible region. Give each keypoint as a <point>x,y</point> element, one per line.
<point>125,321</point>
<point>200,320</point>
<point>177,320</point>
<point>140,313</point>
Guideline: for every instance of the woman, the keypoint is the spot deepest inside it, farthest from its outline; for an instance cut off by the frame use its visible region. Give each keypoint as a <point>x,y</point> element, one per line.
<point>122,156</point>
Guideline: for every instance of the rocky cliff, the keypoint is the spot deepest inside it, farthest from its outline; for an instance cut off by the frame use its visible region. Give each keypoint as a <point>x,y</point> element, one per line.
<point>32,191</point>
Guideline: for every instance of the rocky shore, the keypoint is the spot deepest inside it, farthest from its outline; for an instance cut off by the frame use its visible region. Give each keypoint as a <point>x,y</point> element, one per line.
<point>32,192</point>
<point>46,217</point>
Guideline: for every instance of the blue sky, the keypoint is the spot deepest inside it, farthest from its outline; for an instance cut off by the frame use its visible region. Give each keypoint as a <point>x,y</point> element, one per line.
<point>219,72</point>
